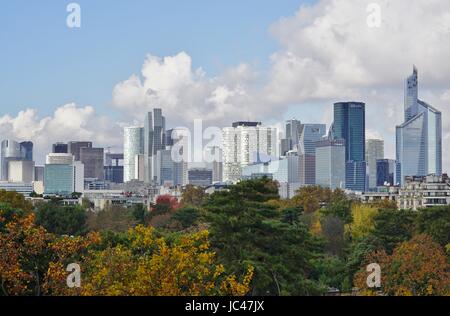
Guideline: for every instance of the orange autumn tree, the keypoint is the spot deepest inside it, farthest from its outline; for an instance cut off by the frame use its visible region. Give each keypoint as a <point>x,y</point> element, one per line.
<point>151,266</point>
<point>33,262</point>
<point>418,267</point>
<point>29,255</point>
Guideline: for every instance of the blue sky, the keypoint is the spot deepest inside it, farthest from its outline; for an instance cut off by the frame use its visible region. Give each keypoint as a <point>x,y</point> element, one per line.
<point>45,64</point>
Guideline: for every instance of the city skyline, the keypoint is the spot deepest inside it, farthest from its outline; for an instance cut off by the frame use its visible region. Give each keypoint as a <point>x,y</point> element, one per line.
<point>224,94</point>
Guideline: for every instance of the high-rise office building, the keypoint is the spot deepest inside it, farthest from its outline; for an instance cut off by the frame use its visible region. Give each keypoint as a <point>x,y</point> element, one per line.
<point>309,135</point>
<point>330,163</point>
<point>164,167</point>
<point>21,171</point>
<point>374,152</point>
<point>419,138</point>
<point>133,146</point>
<point>27,150</point>
<point>214,158</point>
<point>350,125</point>
<point>386,172</point>
<point>63,179</point>
<point>74,148</point>
<point>60,148</point>
<point>244,144</point>
<point>293,130</point>
<point>154,140</point>
<point>10,151</point>
<point>114,167</point>
<point>93,160</point>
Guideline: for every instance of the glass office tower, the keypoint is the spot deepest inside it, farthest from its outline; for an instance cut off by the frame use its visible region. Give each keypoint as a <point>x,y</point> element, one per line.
<point>350,125</point>
<point>133,146</point>
<point>419,138</point>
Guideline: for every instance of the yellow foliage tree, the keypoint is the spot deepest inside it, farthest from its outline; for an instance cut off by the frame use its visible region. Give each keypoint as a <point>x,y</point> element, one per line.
<point>363,220</point>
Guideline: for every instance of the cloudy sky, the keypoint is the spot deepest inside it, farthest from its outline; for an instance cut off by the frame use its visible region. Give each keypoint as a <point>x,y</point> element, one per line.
<point>219,61</point>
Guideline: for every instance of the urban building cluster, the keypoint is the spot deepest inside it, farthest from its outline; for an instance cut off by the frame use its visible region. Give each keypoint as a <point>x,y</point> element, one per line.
<point>307,154</point>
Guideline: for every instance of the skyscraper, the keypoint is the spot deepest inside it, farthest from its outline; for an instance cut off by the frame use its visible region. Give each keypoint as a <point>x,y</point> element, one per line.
<point>93,160</point>
<point>419,138</point>
<point>74,148</point>
<point>309,135</point>
<point>385,172</point>
<point>330,163</point>
<point>27,150</point>
<point>114,168</point>
<point>350,125</point>
<point>10,151</point>
<point>154,140</point>
<point>246,143</point>
<point>293,130</point>
<point>133,146</point>
<point>374,152</point>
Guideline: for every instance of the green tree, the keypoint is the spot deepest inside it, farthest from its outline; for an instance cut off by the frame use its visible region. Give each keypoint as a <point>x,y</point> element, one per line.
<point>246,230</point>
<point>186,216</point>
<point>62,220</point>
<point>435,222</point>
<point>15,200</point>
<point>393,227</point>
<point>113,218</point>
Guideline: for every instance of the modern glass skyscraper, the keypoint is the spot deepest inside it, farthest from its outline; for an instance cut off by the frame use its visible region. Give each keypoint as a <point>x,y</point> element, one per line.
<point>27,150</point>
<point>133,146</point>
<point>385,172</point>
<point>350,125</point>
<point>330,163</point>
<point>309,135</point>
<point>419,138</point>
<point>154,140</point>
<point>374,152</point>
<point>10,150</point>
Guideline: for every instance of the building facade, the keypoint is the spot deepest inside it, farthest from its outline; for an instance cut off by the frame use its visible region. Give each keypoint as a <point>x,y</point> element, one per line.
<point>350,125</point>
<point>419,138</point>
<point>244,144</point>
<point>133,146</point>
<point>330,164</point>
<point>93,160</point>
<point>374,152</point>
<point>74,148</point>
<point>424,192</point>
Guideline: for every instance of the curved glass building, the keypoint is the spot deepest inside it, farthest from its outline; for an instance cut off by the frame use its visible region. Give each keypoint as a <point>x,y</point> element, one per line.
<point>419,138</point>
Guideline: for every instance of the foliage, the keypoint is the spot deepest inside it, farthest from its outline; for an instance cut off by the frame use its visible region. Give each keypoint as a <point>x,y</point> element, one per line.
<point>435,222</point>
<point>186,216</point>
<point>152,267</point>
<point>332,229</point>
<point>418,267</point>
<point>363,222</point>
<point>62,220</point>
<point>15,200</point>
<point>193,196</point>
<point>393,227</point>
<point>245,229</point>
<point>138,263</point>
<point>28,254</point>
<point>112,218</point>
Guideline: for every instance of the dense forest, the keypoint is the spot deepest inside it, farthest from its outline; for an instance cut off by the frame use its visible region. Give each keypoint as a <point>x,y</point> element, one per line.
<point>241,241</point>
